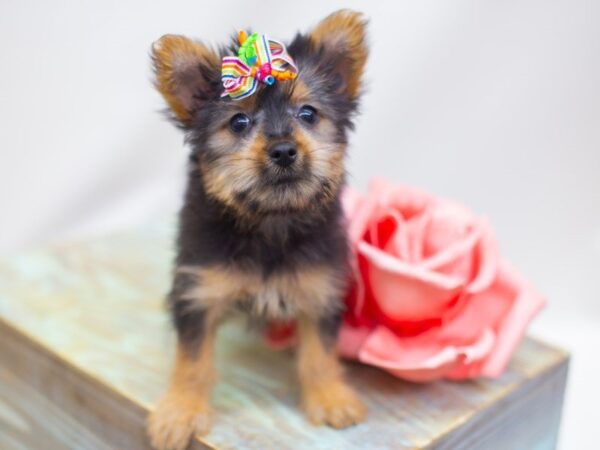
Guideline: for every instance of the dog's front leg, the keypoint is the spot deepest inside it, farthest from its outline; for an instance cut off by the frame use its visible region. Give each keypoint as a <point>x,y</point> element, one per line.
<point>326,397</point>
<point>185,408</point>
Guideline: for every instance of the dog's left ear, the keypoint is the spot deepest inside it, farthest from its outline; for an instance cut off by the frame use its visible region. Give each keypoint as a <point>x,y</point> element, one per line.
<point>341,39</point>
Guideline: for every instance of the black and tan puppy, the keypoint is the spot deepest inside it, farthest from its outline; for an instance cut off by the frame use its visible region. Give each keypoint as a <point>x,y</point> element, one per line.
<point>261,228</point>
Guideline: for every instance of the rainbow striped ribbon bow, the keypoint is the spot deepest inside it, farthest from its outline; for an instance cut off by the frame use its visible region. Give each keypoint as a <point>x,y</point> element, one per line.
<point>259,59</point>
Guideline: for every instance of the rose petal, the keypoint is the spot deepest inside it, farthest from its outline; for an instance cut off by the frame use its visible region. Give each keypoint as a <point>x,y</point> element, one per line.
<point>487,257</point>
<point>421,358</point>
<point>406,292</point>
<point>409,201</point>
<point>382,230</point>
<point>359,268</point>
<point>395,266</point>
<point>477,312</point>
<point>280,335</point>
<point>358,212</point>
<point>415,235</point>
<point>397,245</point>
<point>525,305</point>
<point>507,306</point>
<point>454,251</point>
<point>351,340</point>
<point>449,223</point>
<point>351,201</point>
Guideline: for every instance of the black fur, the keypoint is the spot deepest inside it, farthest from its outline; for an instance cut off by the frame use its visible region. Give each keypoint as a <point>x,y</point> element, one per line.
<point>212,233</point>
<point>190,324</point>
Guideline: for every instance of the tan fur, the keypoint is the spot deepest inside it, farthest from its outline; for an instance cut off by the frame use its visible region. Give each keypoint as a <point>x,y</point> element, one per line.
<point>239,171</point>
<point>176,60</point>
<point>345,30</point>
<point>318,143</point>
<point>325,397</point>
<point>300,92</point>
<point>234,171</point>
<point>185,408</point>
<point>308,291</point>
<point>326,157</point>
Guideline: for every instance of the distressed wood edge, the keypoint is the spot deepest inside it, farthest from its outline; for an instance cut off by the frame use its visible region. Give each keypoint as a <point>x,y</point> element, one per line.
<point>490,415</point>
<point>36,363</point>
<point>110,414</point>
<point>29,420</point>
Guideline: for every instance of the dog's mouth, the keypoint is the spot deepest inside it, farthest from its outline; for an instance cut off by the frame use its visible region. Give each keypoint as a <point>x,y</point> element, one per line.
<point>284,178</point>
<point>287,179</point>
<point>283,192</point>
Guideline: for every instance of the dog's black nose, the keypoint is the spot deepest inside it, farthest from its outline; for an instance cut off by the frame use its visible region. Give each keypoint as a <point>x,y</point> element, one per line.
<point>283,154</point>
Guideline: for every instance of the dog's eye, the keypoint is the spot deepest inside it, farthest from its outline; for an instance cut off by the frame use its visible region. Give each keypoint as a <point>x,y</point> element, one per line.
<point>239,123</point>
<point>308,114</point>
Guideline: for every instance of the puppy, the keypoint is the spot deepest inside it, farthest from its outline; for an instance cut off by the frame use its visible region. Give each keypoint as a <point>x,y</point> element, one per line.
<point>261,227</point>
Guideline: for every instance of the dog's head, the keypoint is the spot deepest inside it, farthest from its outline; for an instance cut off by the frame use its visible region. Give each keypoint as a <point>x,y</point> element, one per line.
<point>282,148</point>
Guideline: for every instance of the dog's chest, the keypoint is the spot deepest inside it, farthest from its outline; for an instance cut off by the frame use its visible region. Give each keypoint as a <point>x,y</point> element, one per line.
<point>283,296</point>
<point>311,291</point>
<point>271,301</point>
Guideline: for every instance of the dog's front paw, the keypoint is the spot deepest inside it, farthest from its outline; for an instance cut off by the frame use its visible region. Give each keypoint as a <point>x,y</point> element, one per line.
<point>176,419</point>
<point>334,404</point>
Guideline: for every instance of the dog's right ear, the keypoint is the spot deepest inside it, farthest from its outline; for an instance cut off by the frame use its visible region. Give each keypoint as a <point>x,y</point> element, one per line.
<point>341,39</point>
<point>187,74</point>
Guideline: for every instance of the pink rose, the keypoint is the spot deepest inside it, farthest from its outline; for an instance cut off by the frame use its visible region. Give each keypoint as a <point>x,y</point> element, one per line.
<point>432,298</point>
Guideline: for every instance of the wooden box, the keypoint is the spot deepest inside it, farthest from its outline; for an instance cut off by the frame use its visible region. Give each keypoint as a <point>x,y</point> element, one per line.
<point>86,345</point>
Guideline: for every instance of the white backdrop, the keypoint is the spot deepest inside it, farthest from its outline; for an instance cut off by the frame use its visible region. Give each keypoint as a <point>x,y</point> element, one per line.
<point>494,103</point>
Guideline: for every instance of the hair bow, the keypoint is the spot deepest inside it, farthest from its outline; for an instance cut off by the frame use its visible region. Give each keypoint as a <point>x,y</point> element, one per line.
<point>259,59</point>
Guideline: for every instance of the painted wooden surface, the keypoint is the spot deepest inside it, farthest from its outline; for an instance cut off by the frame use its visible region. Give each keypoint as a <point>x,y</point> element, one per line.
<point>85,338</point>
